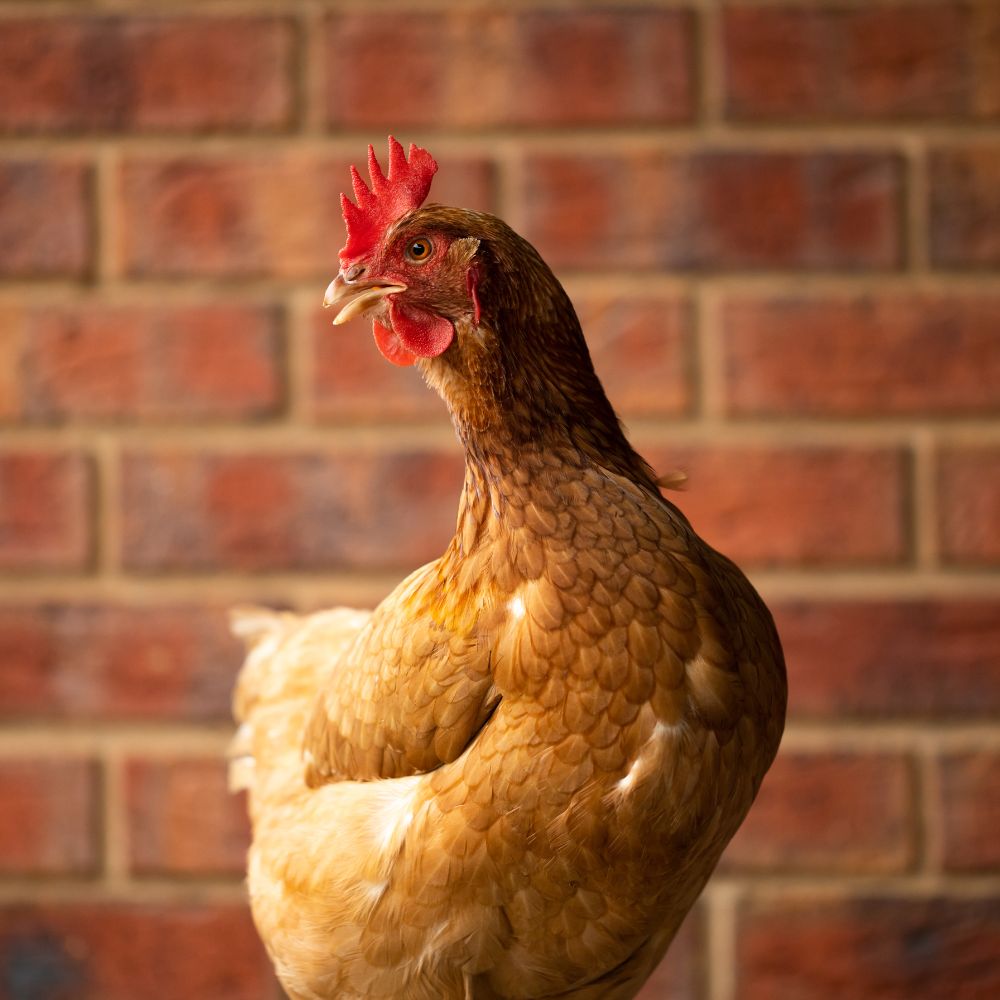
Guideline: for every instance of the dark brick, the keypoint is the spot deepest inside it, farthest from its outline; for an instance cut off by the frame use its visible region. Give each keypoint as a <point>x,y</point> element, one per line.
<point>46,516</point>
<point>922,354</point>
<point>50,821</point>
<point>793,506</point>
<point>277,511</point>
<point>714,209</point>
<point>138,73</point>
<point>94,662</point>
<point>890,949</point>
<point>891,658</point>
<point>45,219</point>
<point>489,67</point>
<point>830,812</point>
<point>182,819</point>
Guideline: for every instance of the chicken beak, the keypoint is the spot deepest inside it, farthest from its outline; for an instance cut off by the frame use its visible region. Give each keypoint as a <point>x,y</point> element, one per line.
<point>355,297</point>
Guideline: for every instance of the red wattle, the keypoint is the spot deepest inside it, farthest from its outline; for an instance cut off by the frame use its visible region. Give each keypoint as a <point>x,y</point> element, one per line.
<point>391,346</point>
<point>421,333</point>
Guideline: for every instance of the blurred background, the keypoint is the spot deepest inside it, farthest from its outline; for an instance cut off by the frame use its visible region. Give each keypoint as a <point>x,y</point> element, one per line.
<point>780,220</point>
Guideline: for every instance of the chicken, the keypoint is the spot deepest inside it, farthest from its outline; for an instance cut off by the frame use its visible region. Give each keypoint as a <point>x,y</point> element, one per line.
<point>514,776</point>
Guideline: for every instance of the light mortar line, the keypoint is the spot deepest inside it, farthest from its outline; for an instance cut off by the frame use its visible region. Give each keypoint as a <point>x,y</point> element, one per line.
<point>170,739</point>
<point>722,899</point>
<point>838,885</point>
<point>108,513</point>
<point>917,206</point>
<point>929,779</point>
<point>112,741</point>
<point>925,500</point>
<point>311,82</point>
<point>710,361</point>
<point>708,69</point>
<point>579,284</point>
<point>116,846</point>
<point>184,891</point>
<point>106,214</point>
<point>878,584</point>
<point>275,590</point>
<point>307,587</point>
<point>914,736</point>
<point>794,137</point>
<point>299,369</point>
<point>436,435</point>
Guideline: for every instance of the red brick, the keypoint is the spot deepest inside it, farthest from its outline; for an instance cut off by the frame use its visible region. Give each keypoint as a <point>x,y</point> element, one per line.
<point>50,816</point>
<point>94,662</point>
<point>830,812</point>
<point>45,511</point>
<point>643,351</point>
<point>45,222</point>
<point>178,363</point>
<point>122,951</point>
<point>888,62</point>
<point>922,354</point>
<point>352,381</point>
<point>968,505</point>
<point>492,68</point>
<point>717,209</point>
<point>969,810</point>
<point>679,975</point>
<point>279,511</point>
<point>965,206</point>
<point>890,949</point>
<point>268,215</point>
<point>169,74</point>
<point>182,819</point>
<point>903,658</point>
<point>794,506</point>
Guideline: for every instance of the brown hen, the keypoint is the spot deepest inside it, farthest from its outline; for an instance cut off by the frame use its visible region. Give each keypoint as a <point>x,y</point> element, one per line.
<point>514,776</point>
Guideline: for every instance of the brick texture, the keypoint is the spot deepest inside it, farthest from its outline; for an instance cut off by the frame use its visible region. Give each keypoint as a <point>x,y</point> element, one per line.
<point>729,210</point>
<point>970,810</point>
<point>169,74</point>
<point>143,362</point>
<point>886,948</point>
<point>968,505</point>
<point>821,812</point>
<point>800,63</point>
<point>46,227</point>
<point>49,824</point>
<point>275,215</point>
<point>120,951</point>
<point>307,511</point>
<point>768,506</point>
<point>96,662</point>
<point>182,821</point>
<point>923,355</point>
<point>965,205</point>
<point>532,68</point>
<point>779,222</point>
<point>875,659</point>
<point>45,511</point>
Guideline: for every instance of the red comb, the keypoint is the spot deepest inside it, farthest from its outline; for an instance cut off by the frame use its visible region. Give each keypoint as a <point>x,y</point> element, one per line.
<point>390,198</point>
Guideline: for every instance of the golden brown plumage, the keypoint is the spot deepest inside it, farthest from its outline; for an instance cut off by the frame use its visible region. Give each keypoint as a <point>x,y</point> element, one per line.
<point>514,777</point>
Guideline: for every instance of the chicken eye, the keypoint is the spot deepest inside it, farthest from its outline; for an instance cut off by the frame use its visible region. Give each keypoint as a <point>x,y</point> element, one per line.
<point>419,249</point>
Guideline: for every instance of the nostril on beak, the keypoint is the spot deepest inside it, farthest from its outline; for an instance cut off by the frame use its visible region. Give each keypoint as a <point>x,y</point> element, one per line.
<point>354,272</point>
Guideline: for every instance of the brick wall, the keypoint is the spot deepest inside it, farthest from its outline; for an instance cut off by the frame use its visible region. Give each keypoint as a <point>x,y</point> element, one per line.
<point>780,220</point>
